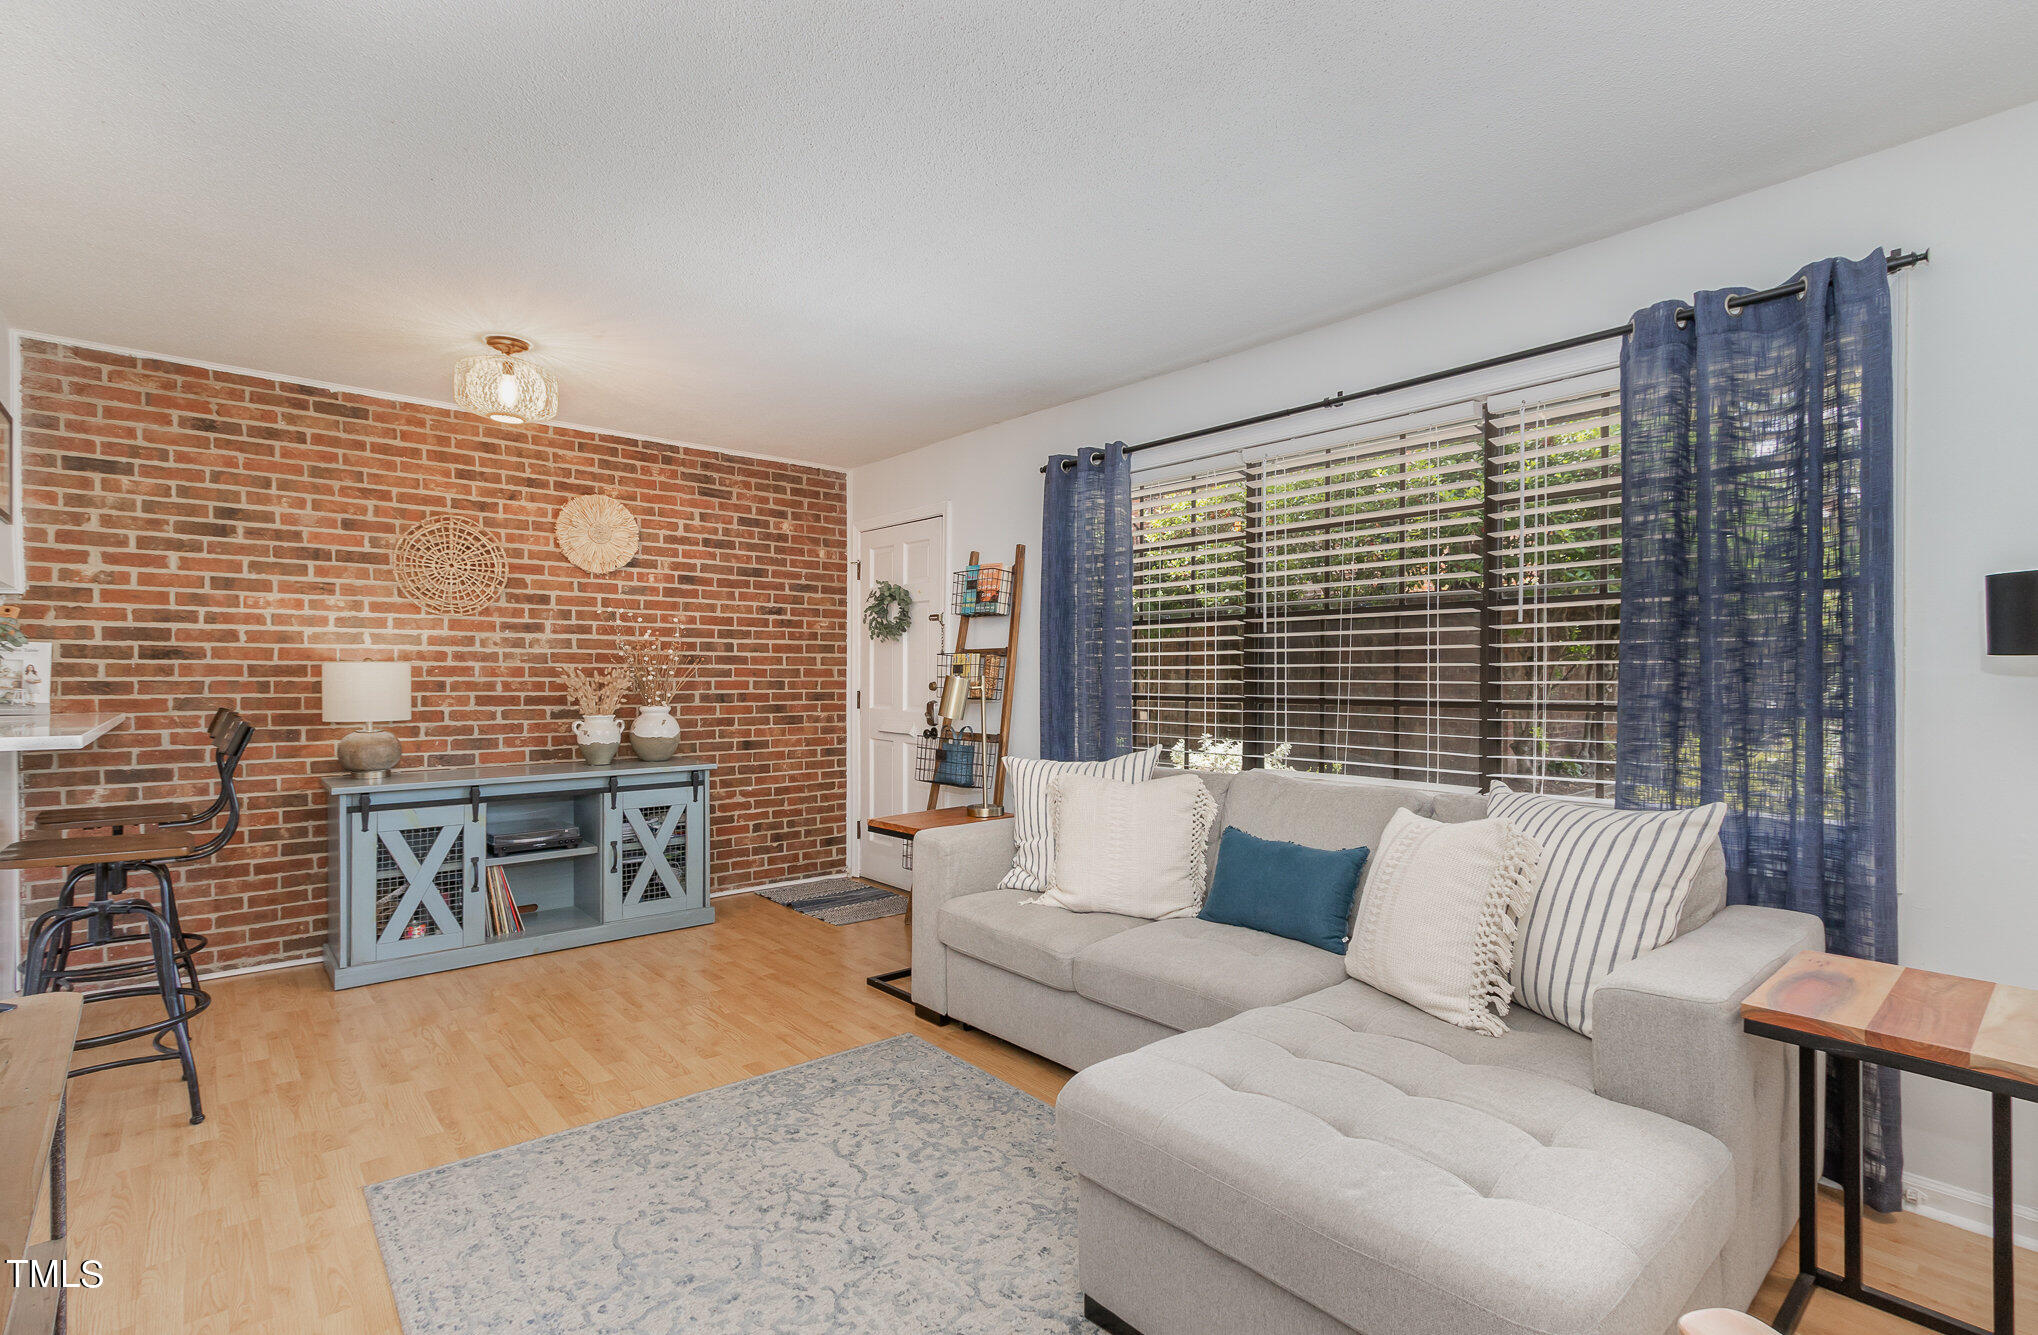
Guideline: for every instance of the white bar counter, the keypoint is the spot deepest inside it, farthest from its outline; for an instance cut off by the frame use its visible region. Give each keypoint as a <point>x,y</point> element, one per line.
<point>55,732</point>
<point>64,730</point>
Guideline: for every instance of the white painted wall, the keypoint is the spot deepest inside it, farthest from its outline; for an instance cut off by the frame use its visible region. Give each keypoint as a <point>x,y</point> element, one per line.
<point>1970,725</point>
<point>10,394</point>
<point>10,582</point>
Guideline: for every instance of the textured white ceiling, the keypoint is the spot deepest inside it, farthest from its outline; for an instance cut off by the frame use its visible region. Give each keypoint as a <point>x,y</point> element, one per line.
<point>834,231</point>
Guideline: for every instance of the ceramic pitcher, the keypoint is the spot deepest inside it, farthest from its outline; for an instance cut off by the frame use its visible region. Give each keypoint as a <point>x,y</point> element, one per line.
<point>600,737</point>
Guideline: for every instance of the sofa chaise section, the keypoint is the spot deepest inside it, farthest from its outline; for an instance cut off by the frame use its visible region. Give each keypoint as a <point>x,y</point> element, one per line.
<point>1668,1062</point>
<point>1387,1184</point>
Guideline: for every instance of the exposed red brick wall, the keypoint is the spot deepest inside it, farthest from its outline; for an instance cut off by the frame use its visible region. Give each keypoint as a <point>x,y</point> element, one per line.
<point>198,536</point>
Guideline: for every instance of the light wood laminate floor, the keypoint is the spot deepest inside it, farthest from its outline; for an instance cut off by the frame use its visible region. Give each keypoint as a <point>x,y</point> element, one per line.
<point>255,1220</point>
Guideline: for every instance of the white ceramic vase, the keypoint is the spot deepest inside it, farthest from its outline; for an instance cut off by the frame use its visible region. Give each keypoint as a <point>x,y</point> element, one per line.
<point>654,735</point>
<point>600,737</point>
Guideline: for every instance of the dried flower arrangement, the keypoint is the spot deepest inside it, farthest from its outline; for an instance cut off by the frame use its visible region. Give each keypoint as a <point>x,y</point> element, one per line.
<point>596,694</point>
<point>657,668</point>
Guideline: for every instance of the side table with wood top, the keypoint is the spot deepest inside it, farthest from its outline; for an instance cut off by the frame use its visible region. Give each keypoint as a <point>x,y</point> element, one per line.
<point>907,827</point>
<point>36,1035</point>
<point>1969,1032</point>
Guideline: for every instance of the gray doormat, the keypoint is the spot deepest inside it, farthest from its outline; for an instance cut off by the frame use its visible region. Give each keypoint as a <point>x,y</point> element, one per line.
<point>840,900</point>
<point>889,1190</point>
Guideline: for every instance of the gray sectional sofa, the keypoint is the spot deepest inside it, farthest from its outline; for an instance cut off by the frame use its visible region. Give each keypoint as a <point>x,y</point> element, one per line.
<point>1262,1143</point>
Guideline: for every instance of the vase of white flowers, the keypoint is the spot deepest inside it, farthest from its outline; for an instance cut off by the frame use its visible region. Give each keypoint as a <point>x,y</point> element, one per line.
<point>596,696</point>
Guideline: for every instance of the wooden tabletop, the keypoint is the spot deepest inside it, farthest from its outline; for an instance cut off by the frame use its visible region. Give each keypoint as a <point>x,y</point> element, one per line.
<point>1990,1028</point>
<point>35,1056</point>
<point>918,822</point>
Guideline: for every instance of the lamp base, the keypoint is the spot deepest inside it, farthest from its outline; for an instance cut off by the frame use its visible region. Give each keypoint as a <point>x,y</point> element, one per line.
<point>370,753</point>
<point>985,810</point>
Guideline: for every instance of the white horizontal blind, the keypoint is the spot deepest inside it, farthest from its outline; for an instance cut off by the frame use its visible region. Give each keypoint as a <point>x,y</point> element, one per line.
<point>1556,593</point>
<point>1435,602</point>
<point>1369,577</point>
<point>1189,614</point>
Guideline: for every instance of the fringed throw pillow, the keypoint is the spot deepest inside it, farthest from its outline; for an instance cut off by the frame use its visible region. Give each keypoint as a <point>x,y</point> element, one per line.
<point>1438,918</point>
<point>1131,848</point>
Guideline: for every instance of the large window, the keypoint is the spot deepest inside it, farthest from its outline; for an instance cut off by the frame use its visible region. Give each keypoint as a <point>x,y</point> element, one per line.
<point>1434,599</point>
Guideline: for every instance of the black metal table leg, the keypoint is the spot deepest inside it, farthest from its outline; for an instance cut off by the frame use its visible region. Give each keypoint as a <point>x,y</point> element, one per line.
<point>887,983</point>
<point>1847,1077</point>
<point>1801,1288</point>
<point>2004,1221</point>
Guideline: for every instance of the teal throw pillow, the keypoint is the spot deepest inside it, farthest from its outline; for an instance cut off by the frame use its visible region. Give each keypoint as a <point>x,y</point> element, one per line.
<point>1291,890</point>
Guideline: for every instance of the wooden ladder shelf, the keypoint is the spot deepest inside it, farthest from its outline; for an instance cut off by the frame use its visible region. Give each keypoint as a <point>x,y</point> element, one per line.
<point>1008,656</point>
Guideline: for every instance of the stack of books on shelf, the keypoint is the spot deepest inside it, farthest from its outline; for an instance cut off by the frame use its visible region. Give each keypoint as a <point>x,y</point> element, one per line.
<point>504,917</point>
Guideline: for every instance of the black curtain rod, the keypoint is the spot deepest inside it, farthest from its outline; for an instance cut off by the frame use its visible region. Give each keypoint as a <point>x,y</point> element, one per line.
<point>1898,260</point>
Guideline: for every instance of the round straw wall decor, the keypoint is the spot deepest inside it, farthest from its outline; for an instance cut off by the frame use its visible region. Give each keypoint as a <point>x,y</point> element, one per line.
<point>597,533</point>
<point>450,564</point>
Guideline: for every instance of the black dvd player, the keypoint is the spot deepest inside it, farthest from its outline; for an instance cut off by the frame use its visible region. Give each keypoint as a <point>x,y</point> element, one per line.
<point>512,842</point>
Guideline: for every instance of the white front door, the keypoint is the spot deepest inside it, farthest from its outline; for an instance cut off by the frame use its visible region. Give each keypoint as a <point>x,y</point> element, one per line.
<point>898,682</point>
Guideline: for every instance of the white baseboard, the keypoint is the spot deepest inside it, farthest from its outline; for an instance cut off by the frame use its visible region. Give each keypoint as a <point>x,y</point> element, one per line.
<point>1963,1208</point>
<point>269,966</point>
<point>774,885</point>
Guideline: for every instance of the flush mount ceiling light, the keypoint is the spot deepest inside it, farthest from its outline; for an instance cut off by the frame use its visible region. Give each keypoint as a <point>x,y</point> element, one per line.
<point>503,389</point>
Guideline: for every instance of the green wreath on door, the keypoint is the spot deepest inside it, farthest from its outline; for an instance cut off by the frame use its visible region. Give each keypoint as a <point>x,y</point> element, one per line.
<point>888,611</point>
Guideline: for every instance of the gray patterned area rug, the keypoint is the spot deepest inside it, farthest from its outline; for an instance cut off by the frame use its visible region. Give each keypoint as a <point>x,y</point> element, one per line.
<point>840,900</point>
<point>888,1190</point>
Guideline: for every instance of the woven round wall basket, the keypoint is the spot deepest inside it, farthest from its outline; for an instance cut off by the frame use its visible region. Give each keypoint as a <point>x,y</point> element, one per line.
<point>597,533</point>
<point>450,564</point>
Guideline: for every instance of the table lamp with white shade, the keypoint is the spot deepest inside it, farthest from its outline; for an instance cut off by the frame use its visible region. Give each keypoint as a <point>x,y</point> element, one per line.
<point>367,694</point>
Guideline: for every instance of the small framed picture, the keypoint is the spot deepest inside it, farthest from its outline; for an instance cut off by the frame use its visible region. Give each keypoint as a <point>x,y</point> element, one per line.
<point>6,465</point>
<point>25,679</point>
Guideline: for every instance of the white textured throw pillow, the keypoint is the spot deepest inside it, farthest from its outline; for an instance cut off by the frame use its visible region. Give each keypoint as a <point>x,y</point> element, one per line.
<point>1437,922</point>
<point>1131,848</point>
<point>1028,785</point>
<point>1610,889</point>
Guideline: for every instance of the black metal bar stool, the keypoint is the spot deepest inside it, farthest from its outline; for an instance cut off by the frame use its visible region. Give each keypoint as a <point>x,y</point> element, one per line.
<point>229,734</point>
<point>169,971</point>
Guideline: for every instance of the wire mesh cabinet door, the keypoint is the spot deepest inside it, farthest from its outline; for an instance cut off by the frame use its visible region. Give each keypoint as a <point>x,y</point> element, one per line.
<point>417,882</point>
<point>657,852</point>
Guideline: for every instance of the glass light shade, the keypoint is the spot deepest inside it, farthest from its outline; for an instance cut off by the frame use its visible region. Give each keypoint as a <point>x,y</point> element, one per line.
<point>365,692</point>
<point>503,388</point>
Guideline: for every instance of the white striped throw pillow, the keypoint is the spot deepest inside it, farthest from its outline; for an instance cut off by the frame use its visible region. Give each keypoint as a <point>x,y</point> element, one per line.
<point>1609,888</point>
<point>1029,791</point>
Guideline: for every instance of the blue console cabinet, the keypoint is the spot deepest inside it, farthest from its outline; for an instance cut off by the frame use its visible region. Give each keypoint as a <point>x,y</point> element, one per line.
<point>408,857</point>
